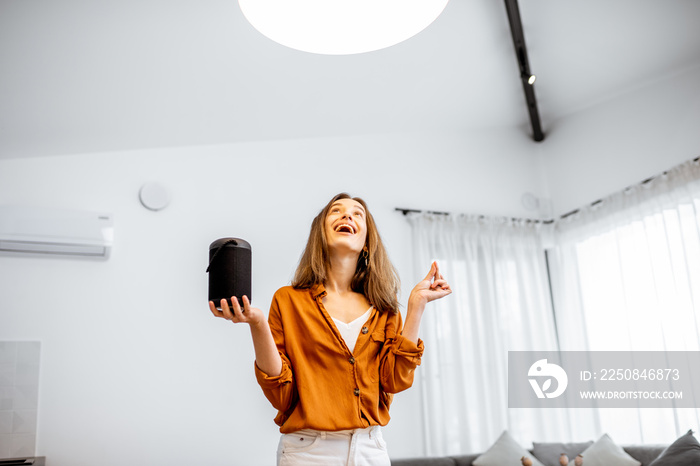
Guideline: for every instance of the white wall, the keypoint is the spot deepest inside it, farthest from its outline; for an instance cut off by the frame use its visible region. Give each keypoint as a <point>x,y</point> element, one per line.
<point>622,141</point>
<point>135,370</point>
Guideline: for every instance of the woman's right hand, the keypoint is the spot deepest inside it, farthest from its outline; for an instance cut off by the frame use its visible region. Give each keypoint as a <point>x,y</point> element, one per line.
<point>248,315</point>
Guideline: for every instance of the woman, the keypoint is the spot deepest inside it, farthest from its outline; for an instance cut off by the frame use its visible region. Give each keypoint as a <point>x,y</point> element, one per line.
<point>332,351</point>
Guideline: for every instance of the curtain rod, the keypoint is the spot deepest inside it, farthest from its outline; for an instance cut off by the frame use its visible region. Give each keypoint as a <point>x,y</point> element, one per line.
<point>546,221</point>
<point>643,182</point>
<point>532,220</point>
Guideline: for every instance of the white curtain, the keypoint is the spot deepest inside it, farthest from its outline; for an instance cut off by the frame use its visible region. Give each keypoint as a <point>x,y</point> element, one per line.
<point>626,276</point>
<point>500,302</point>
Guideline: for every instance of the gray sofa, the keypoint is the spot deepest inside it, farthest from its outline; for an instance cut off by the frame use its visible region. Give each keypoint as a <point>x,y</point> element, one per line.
<point>643,454</point>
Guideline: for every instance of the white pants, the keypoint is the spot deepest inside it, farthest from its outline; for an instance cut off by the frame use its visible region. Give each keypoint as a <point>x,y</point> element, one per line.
<point>358,447</point>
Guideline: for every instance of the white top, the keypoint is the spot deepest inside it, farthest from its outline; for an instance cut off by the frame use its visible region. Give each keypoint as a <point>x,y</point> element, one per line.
<point>351,331</point>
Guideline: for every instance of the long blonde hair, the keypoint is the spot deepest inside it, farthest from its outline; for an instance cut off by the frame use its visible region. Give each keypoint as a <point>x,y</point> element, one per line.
<point>377,279</point>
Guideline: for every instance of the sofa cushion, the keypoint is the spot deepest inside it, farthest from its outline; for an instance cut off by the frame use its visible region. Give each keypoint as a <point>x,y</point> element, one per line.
<point>548,453</point>
<point>505,451</point>
<point>685,451</point>
<point>604,452</point>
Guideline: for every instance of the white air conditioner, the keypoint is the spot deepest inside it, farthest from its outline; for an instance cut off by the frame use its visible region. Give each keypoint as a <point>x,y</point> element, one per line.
<point>44,231</point>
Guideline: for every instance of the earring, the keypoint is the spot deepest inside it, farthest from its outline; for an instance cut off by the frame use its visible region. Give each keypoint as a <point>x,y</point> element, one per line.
<point>365,254</point>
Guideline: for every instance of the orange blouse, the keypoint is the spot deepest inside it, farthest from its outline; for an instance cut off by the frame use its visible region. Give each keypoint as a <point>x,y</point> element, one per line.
<point>323,385</point>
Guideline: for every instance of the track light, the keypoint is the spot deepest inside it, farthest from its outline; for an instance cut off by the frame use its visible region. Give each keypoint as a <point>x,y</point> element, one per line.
<point>531,79</point>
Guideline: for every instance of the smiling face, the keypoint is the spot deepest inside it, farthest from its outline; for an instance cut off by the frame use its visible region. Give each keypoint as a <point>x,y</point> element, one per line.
<point>341,230</point>
<point>346,226</point>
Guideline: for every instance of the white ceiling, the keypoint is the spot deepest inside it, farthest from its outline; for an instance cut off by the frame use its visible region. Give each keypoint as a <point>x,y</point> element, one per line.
<point>104,75</point>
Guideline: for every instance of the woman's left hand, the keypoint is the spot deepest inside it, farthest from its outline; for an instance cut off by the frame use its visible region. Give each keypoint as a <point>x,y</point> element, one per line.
<point>432,287</point>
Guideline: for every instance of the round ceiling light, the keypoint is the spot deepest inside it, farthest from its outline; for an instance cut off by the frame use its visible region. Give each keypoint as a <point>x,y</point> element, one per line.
<point>340,27</point>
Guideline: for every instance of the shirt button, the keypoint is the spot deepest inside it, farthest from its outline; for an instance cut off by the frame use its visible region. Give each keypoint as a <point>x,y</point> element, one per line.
<point>357,392</point>
<point>352,360</point>
<point>365,330</point>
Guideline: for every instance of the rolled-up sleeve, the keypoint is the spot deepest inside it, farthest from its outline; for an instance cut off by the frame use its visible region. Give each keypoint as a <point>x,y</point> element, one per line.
<point>280,390</point>
<point>399,359</point>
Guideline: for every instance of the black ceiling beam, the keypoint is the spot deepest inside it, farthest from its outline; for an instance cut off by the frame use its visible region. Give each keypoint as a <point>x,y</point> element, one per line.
<point>516,29</point>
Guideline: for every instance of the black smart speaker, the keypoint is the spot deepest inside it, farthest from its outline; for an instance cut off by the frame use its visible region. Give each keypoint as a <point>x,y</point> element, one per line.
<point>229,270</point>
